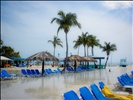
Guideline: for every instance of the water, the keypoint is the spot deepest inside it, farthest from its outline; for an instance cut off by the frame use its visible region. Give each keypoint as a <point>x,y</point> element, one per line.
<point>51,87</point>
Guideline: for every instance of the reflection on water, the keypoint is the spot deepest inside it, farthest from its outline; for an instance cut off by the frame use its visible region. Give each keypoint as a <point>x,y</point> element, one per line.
<point>51,87</point>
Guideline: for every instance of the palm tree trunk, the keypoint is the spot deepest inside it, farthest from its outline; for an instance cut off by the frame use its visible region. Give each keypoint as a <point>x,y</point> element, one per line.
<point>54,55</point>
<point>106,61</point>
<point>42,67</point>
<point>87,51</point>
<point>92,51</point>
<point>78,51</point>
<point>84,51</point>
<point>66,53</point>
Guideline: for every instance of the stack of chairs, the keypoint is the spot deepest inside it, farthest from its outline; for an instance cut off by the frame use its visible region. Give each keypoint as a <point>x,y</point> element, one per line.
<point>126,81</point>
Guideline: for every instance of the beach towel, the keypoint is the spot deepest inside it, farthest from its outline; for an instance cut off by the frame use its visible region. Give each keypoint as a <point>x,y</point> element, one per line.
<point>108,93</point>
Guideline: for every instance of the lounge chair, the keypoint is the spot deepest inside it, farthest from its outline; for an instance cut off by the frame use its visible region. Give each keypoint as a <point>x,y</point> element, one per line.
<point>6,75</point>
<point>70,69</point>
<point>34,72</point>
<point>23,71</point>
<point>90,68</point>
<point>29,72</point>
<point>70,95</point>
<point>58,69</point>
<point>37,72</point>
<point>128,77</point>
<point>108,93</point>
<point>86,94</point>
<point>125,84</point>
<point>132,72</point>
<point>97,93</point>
<point>83,68</point>
<point>50,70</point>
<point>101,85</point>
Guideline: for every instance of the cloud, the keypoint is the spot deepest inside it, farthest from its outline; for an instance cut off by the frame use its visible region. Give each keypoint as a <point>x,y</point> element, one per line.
<point>117,4</point>
<point>27,27</point>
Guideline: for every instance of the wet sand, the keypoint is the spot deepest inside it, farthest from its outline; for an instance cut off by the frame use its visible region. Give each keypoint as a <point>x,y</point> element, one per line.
<point>51,87</point>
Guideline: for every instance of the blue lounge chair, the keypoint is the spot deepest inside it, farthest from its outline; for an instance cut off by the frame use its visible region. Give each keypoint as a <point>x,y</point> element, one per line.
<point>58,69</point>
<point>23,71</point>
<point>46,71</point>
<point>70,95</point>
<point>90,68</point>
<point>97,93</point>
<point>128,77</point>
<point>37,72</point>
<point>101,85</point>
<point>124,82</point>
<point>29,72</point>
<point>86,94</point>
<point>50,70</point>
<point>6,75</point>
<point>70,69</point>
<point>79,69</point>
<point>132,72</point>
<point>33,72</point>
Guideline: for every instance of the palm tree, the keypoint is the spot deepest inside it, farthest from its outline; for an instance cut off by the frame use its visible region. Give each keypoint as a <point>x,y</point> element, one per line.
<point>108,48</point>
<point>77,44</point>
<point>92,42</point>
<point>65,22</point>
<point>56,41</point>
<point>84,41</point>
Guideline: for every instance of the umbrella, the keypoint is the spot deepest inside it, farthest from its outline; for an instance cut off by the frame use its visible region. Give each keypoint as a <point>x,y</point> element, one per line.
<point>43,56</point>
<point>75,58</point>
<point>88,58</point>
<point>4,58</point>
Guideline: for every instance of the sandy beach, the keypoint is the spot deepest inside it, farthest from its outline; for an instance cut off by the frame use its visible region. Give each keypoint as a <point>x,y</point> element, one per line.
<point>51,87</point>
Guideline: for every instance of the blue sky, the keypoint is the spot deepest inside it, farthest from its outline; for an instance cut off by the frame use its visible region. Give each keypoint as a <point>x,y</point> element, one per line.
<point>25,26</point>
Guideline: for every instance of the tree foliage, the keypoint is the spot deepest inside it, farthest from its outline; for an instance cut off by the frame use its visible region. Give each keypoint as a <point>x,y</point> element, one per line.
<point>65,22</point>
<point>8,51</point>
<point>56,41</point>
<point>108,48</point>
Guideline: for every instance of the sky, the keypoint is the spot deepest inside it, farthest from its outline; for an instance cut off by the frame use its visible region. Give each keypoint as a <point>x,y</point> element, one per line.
<point>26,26</point>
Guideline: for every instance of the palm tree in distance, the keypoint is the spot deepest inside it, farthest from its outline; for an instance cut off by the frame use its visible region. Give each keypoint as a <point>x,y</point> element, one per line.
<point>77,44</point>
<point>84,41</point>
<point>56,41</point>
<point>108,48</point>
<point>93,42</point>
<point>65,22</point>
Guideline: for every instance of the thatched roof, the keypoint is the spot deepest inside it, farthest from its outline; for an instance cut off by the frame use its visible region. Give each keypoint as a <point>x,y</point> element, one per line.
<point>76,58</point>
<point>90,59</point>
<point>43,56</point>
